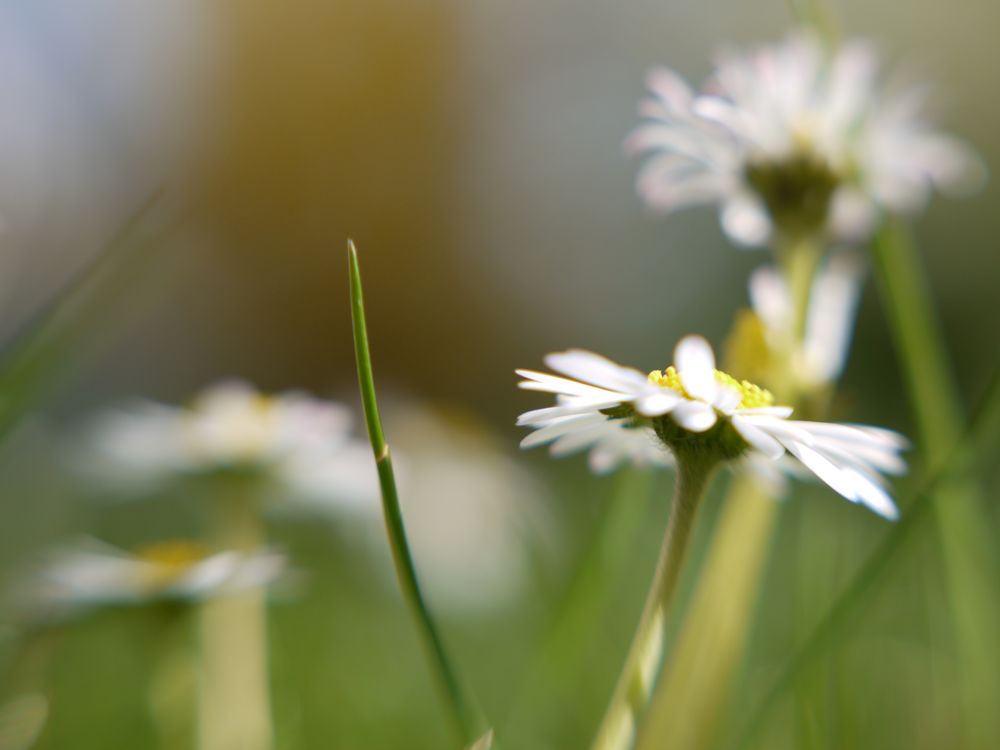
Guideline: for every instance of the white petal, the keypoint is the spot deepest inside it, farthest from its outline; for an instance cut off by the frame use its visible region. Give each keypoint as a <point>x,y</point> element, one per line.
<point>727,399</point>
<point>831,317</point>
<point>824,469</point>
<point>766,411</point>
<point>658,402</point>
<point>873,496</point>
<point>696,366</point>
<point>745,221</point>
<point>540,381</point>
<point>596,370</point>
<point>770,299</point>
<point>694,416</point>
<point>758,438</point>
<point>540,417</point>
<point>560,427</point>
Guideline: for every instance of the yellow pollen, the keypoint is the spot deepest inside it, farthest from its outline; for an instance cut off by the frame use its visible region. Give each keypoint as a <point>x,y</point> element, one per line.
<point>751,396</point>
<point>174,556</point>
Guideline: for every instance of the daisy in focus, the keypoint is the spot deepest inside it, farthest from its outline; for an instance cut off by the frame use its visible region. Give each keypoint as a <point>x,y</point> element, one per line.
<point>302,443</point>
<point>793,140</point>
<point>89,576</point>
<point>701,414</point>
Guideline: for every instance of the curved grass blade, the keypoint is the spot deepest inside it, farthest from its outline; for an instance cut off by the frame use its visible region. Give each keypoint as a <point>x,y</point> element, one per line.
<point>466,717</point>
<point>32,361</point>
<point>975,448</point>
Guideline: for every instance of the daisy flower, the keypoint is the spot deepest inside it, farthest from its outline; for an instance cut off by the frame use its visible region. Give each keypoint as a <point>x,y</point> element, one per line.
<point>702,414</point>
<point>94,575</point>
<point>299,441</point>
<point>818,357</point>
<point>793,139</point>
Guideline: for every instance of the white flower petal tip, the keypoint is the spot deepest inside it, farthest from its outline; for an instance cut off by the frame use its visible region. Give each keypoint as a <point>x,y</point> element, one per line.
<point>695,364</point>
<point>788,113</point>
<point>694,416</point>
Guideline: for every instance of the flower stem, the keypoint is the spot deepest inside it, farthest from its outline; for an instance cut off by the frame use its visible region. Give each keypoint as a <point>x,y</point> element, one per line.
<point>970,559</point>
<point>235,711</point>
<point>465,716</point>
<point>550,687</point>
<point>686,705</point>
<point>642,664</point>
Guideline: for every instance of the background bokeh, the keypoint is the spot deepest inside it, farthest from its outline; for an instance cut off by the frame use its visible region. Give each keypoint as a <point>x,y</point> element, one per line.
<point>473,152</point>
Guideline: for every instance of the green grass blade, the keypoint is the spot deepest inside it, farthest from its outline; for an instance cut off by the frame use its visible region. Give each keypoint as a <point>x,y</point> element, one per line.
<point>36,356</point>
<point>965,529</point>
<point>468,722</point>
<point>974,449</point>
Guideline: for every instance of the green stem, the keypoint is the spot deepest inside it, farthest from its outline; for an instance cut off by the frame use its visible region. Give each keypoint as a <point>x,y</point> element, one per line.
<point>551,685</point>
<point>686,705</point>
<point>971,453</point>
<point>964,525</point>
<point>638,676</point>
<point>235,711</point>
<point>467,720</point>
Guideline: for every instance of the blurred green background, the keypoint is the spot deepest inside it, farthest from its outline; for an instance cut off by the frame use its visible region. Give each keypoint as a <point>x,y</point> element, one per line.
<point>473,152</point>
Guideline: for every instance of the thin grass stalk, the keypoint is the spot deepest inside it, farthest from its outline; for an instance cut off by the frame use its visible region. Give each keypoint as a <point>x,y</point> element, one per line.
<point>965,529</point>
<point>969,454</point>
<point>467,721</point>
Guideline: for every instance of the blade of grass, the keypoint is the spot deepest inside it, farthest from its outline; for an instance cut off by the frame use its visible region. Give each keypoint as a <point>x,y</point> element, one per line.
<point>32,361</point>
<point>467,720</point>
<point>975,448</point>
<point>966,533</point>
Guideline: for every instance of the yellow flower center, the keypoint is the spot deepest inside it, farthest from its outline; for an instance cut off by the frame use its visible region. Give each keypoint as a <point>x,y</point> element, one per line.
<point>170,560</point>
<point>751,396</point>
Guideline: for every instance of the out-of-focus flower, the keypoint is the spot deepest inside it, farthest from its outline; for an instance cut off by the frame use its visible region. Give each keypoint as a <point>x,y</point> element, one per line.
<point>789,138</point>
<point>94,575</point>
<point>477,519</point>
<point>695,409</point>
<point>820,356</point>
<point>300,441</point>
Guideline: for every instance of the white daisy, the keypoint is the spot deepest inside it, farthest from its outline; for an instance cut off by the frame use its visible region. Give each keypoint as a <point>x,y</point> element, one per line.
<point>792,138</point>
<point>94,575</point>
<point>300,441</point>
<point>695,408</point>
<point>819,357</point>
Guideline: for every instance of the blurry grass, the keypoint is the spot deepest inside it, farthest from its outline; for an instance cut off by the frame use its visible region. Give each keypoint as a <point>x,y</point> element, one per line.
<point>966,533</point>
<point>977,445</point>
<point>40,352</point>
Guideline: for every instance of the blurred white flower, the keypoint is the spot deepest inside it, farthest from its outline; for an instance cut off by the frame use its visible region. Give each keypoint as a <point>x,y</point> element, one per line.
<point>91,575</point>
<point>298,440</point>
<point>477,519</point>
<point>793,139</point>
<point>696,407</point>
<point>820,356</point>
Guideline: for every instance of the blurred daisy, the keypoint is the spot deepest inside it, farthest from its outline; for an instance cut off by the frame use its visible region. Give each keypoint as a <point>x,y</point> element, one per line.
<point>300,441</point>
<point>698,411</point>
<point>477,518</point>
<point>793,139</point>
<point>93,575</point>
<point>818,357</point>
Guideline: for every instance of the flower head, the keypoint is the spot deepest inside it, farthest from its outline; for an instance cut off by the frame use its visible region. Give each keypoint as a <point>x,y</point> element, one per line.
<point>300,441</point>
<point>790,138</point>
<point>93,575</point>
<point>696,410</point>
<point>817,357</point>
